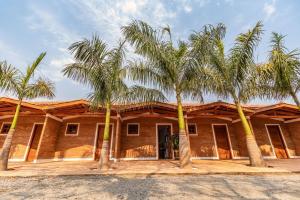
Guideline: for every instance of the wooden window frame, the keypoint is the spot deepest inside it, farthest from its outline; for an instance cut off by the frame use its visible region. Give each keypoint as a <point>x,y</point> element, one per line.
<point>1,134</point>
<point>78,127</point>
<point>138,124</point>
<point>196,129</point>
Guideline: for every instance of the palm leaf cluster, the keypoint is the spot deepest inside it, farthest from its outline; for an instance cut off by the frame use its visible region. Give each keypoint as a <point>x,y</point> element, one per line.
<point>280,77</point>
<point>103,71</point>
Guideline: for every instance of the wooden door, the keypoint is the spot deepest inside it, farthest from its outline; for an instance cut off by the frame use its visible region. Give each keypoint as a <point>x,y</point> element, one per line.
<point>222,142</point>
<point>277,141</point>
<point>35,139</point>
<point>100,140</point>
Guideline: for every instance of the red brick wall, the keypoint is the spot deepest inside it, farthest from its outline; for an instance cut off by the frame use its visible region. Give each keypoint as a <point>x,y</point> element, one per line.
<point>143,145</point>
<point>203,145</point>
<point>22,135</point>
<point>294,130</point>
<point>263,140</point>
<point>82,145</point>
<point>46,147</point>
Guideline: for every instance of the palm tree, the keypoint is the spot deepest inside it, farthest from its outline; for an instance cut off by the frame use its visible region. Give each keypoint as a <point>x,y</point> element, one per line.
<point>102,70</point>
<point>164,66</point>
<point>231,75</point>
<point>281,75</point>
<point>24,87</point>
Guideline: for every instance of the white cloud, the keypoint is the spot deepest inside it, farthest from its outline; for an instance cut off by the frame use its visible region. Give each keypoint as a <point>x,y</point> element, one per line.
<point>269,9</point>
<point>55,66</point>
<point>109,16</point>
<point>187,8</point>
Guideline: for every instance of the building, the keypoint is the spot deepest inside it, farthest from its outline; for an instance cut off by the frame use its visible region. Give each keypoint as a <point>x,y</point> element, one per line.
<point>70,131</point>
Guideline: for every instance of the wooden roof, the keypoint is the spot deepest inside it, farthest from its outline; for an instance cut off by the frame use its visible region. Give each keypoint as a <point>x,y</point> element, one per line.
<point>214,109</point>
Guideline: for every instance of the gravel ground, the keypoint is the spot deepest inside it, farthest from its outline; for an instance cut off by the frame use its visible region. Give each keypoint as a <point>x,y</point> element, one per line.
<point>152,187</point>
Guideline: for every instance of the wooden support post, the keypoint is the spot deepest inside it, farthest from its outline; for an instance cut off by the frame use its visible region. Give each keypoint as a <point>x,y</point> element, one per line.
<point>118,139</point>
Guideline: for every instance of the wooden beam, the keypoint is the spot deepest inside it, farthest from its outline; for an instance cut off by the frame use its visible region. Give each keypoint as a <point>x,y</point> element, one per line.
<point>237,120</point>
<point>6,117</point>
<point>292,120</point>
<point>53,117</point>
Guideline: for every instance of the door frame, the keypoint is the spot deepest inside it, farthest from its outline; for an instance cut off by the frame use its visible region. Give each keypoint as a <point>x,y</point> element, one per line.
<point>282,137</point>
<point>228,137</point>
<point>30,140</point>
<point>96,138</point>
<point>157,138</point>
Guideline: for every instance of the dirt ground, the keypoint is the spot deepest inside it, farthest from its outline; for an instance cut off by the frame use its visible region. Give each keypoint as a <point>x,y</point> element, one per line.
<point>152,187</point>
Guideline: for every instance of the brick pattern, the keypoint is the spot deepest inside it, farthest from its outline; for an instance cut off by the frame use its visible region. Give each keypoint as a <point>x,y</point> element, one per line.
<point>82,145</point>
<point>143,145</point>
<point>55,144</point>
<point>46,147</point>
<point>22,135</point>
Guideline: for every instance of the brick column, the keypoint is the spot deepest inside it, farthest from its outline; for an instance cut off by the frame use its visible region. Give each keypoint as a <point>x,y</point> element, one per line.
<point>47,143</point>
<point>118,139</point>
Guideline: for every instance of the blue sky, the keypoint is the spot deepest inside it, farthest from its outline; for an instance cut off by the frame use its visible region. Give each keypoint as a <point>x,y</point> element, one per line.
<point>31,27</point>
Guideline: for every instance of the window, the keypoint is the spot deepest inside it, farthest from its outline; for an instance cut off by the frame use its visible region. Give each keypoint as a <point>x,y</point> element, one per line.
<point>72,129</point>
<point>5,128</point>
<point>133,129</point>
<point>192,128</point>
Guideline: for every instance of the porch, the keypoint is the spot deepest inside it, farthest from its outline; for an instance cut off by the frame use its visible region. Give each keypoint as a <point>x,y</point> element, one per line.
<point>146,168</point>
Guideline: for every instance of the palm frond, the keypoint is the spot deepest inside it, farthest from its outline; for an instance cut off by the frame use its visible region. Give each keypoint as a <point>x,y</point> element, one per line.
<point>41,88</point>
<point>8,77</point>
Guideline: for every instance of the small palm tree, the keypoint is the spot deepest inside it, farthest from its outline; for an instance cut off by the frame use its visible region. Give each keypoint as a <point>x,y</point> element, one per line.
<point>102,70</point>
<point>24,87</point>
<point>165,67</point>
<point>232,75</point>
<point>281,75</point>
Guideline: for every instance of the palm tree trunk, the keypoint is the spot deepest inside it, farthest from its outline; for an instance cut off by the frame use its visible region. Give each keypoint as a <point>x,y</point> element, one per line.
<point>184,147</point>
<point>295,98</point>
<point>4,153</point>
<point>104,160</point>
<point>256,159</point>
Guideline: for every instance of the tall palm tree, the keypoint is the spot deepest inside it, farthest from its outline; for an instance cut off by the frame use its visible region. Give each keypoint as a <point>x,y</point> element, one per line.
<point>281,75</point>
<point>164,66</point>
<point>102,70</point>
<point>24,86</point>
<point>231,75</point>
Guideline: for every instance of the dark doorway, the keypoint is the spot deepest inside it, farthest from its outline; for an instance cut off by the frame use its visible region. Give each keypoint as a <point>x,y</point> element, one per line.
<point>277,141</point>
<point>222,141</point>
<point>36,135</point>
<point>100,140</point>
<point>164,141</point>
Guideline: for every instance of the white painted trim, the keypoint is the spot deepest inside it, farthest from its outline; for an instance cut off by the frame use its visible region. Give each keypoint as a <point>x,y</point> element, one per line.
<point>295,157</point>
<point>30,139</point>
<point>130,135</point>
<point>196,129</point>
<point>96,138</point>
<point>292,120</point>
<point>53,117</point>
<point>241,158</point>
<point>205,158</point>
<point>2,128</point>
<point>68,159</point>
<point>16,160</point>
<point>282,136</point>
<point>139,158</point>
<point>6,117</point>
<point>269,157</point>
<point>268,134</point>
<point>72,135</point>
<point>228,136</point>
<point>157,145</point>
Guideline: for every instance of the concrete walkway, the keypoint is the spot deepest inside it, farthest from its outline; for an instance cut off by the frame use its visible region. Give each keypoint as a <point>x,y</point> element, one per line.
<point>150,168</point>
